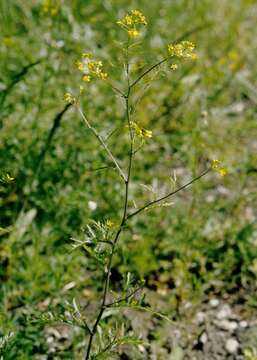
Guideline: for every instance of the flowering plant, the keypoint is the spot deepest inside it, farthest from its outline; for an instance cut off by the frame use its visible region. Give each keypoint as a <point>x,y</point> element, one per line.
<point>110,233</point>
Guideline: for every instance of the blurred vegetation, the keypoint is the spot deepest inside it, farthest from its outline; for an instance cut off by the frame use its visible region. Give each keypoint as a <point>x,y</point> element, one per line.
<point>205,243</point>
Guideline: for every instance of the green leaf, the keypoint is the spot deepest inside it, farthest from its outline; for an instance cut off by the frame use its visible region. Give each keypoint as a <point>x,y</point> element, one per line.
<point>147,309</point>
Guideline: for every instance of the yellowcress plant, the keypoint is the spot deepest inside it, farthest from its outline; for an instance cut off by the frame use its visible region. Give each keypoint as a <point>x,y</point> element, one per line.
<point>91,69</point>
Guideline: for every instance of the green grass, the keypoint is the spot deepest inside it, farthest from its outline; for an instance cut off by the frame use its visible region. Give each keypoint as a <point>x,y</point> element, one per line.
<point>205,242</point>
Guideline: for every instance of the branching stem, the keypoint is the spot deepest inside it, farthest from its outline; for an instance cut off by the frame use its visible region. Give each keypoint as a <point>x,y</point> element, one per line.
<point>102,142</point>
<point>126,179</point>
<point>154,202</point>
<point>122,224</point>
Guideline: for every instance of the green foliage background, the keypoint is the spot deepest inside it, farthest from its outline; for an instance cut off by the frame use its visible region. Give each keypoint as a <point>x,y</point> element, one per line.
<point>203,244</point>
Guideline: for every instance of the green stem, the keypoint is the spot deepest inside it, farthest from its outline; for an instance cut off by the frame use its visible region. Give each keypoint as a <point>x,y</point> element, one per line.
<point>116,238</point>
<point>154,202</point>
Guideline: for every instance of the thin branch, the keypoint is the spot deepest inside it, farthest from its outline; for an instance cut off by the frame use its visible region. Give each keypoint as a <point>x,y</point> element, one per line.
<point>115,89</point>
<point>113,132</point>
<point>101,168</point>
<point>154,202</point>
<point>102,142</point>
<point>87,326</point>
<point>148,71</point>
<point>108,347</point>
<point>180,38</point>
<point>125,298</point>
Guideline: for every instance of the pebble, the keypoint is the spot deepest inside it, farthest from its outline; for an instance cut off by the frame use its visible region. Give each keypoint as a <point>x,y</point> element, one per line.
<point>243,324</point>
<point>50,339</point>
<point>200,317</point>
<point>227,325</point>
<point>214,303</point>
<point>224,312</point>
<point>232,345</point>
<point>204,338</point>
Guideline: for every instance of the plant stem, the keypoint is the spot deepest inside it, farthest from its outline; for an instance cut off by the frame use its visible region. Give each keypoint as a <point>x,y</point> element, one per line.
<point>122,224</point>
<point>151,203</point>
<point>180,38</point>
<point>102,142</point>
<point>148,71</point>
<point>108,275</point>
<point>126,179</point>
<point>124,298</point>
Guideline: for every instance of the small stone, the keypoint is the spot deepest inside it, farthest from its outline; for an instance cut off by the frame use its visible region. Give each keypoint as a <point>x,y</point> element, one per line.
<point>243,324</point>
<point>214,303</point>
<point>232,346</point>
<point>200,317</point>
<point>177,333</point>
<point>141,348</point>
<point>204,338</point>
<point>224,312</point>
<point>227,325</point>
<point>50,339</point>
<point>188,305</point>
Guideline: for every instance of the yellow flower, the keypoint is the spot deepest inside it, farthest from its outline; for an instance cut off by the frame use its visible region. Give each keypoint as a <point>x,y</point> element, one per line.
<point>141,132</point>
<point>147,133</point>
<point>130,22</point>
<point>95,68</point>
<point>102,75</point>
<point>69,98</point>
<point>216,165</point>
<point>86,78</point>
<point>138,17</point>
<point>87,56</point>
<point>193,56</point>
<point>223,172</point>
<point>109,224</point>
<point>173,66</point>
<point>184,49</point>
<point>90,68</point>
<point>133,33</point>
<point>50,7</point>
<point>79,65</point>
<point>134,17</point>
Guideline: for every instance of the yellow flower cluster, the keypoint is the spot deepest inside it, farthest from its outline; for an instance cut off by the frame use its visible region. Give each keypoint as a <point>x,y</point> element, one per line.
<point>173,66</point>
<point>130,22</point>
<point>141,132</point>
<point>109,224</point>
<point>216,165</point>
<point>51,7</point>
<point>91,68</point>
<point>184,49</point>
<point>69,98</point>
<point>133,33</point>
